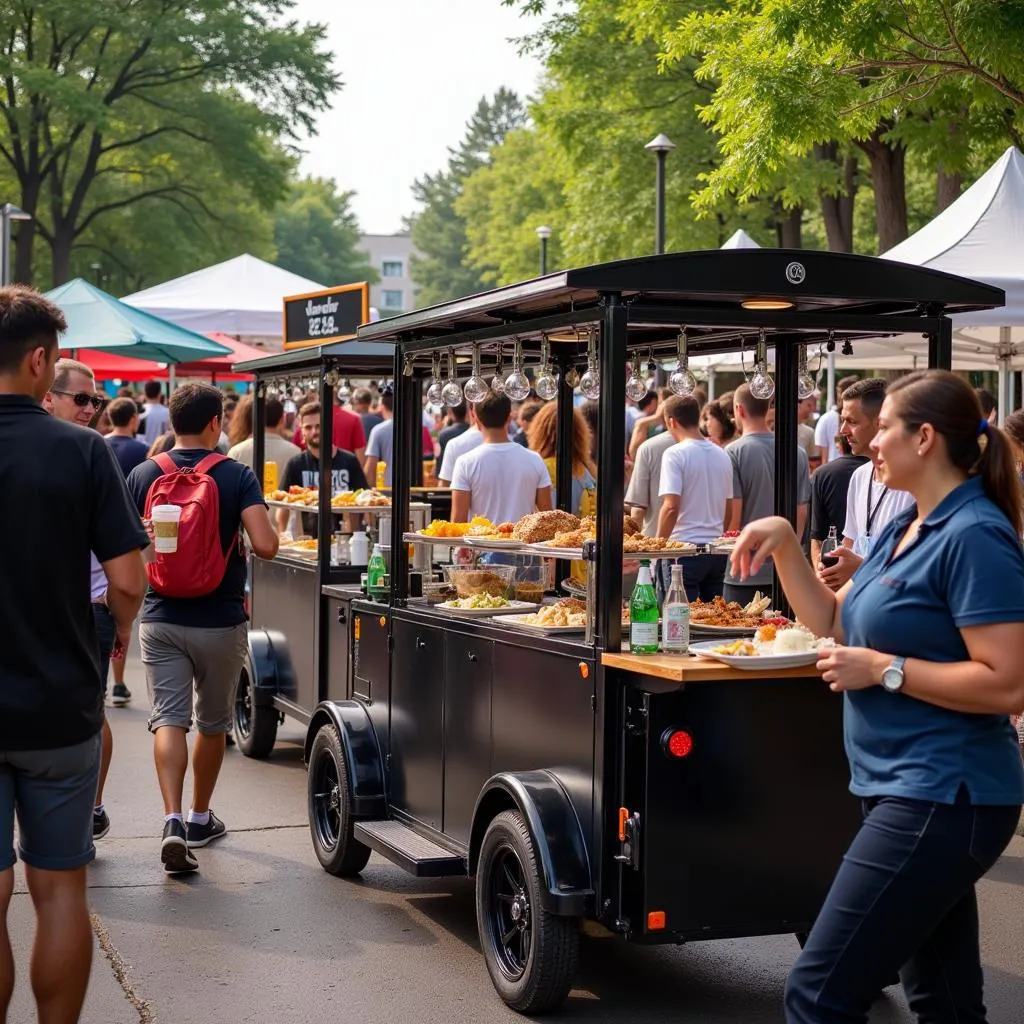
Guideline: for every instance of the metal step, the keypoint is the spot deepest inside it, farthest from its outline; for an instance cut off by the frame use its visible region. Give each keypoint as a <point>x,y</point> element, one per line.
<point>408,849</point>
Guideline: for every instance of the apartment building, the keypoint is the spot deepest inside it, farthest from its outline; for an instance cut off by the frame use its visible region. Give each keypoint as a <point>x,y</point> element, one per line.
<point>390,256</point>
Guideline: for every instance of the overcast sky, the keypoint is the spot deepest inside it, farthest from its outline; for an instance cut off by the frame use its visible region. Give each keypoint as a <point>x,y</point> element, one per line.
<point>413,73</point>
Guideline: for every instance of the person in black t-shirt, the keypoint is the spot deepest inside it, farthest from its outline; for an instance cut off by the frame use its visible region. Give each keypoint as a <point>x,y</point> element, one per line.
<point>198,643</point>
<point>124,419</point>
<point>829,487</point>
<point>457,425</point>
<point>51,705</point>
<point>303,470</point>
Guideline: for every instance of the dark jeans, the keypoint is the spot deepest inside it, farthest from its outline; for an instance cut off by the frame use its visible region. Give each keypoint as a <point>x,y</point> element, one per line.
<point>903,900</point>
<point>106,634</point>
<point>703,576</point>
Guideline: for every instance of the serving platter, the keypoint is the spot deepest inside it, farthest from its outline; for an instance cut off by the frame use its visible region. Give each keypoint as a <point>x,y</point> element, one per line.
<point>512,608</point>
<point>519,622</point>
<point>753,662</point>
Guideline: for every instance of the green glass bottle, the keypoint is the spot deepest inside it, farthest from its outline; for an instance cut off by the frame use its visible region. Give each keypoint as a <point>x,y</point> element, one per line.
<point>643,614</point>
<point>376,570</point>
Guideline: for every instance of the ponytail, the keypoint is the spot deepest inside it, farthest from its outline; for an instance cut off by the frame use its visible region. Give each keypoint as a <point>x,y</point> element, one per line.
<point>999,474</point>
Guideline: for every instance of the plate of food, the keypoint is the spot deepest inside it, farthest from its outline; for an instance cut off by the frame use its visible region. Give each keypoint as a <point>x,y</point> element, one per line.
<point>441,529</point>
<point>770,648</point>
<point>568,616</point>
<point>637,545</point>
<point>726,542</point>
<point>485,605</point>
<point>721,617</point>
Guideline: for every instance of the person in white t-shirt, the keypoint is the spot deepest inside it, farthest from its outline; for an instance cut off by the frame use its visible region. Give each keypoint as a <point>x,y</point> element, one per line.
<point>696,486</point>
<point>457,447</point>
<point>827,427</point>
<point>498,479</point>
<point>870,505</point>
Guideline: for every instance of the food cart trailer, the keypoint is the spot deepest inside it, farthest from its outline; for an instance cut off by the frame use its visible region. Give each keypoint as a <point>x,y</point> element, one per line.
<point>666,798</point>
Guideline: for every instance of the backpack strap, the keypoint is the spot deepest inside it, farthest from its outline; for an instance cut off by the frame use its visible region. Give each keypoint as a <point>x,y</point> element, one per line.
<point>165,462</point>
<point>207,463</point>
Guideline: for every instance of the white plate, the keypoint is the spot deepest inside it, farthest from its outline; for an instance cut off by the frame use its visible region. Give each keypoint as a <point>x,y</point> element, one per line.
<point>517,621</point>
<point>541,547</point>
<point>511,608</point>
<point>705,649</point>
<point>723,630</point>
<point>483,542</point>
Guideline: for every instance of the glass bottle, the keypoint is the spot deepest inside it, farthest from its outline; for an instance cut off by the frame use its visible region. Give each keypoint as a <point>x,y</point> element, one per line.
<point>376,570</point>
<point>675,616</point>
<point>643,614</point>
<point>828,547</point>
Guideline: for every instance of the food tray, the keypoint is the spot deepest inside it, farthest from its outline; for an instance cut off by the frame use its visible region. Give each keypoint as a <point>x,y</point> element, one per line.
<point>755,662</point>
<point>532,627</point>
<point>497,545</point>
<point>542,548</point>
<point>512,608</point>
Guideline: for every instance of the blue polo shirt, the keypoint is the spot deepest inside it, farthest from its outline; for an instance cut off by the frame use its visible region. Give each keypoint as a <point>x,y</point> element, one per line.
<point>965,568</point>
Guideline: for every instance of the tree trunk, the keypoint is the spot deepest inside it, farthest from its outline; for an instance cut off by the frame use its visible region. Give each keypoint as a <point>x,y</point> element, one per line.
<point>889,181</point>
<point>788,224</point>
<point>837,210</point>
<point>949,188</point>
<point>61,246</point>
<point>26,229</point>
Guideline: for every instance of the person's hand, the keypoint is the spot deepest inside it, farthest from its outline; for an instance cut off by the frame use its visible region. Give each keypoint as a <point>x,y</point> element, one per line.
<point>834,576</point>
<point>147,525</point>
<point>757,541</point>
<point>122,638</point>
<point>852,668</point>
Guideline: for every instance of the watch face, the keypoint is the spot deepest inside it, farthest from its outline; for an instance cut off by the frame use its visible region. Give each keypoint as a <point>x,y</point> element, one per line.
<point>892,679</point>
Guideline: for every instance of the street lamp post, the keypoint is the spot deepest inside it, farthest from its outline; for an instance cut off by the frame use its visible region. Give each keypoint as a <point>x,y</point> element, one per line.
<point>543,233</point>
<point>660,146</point>
<point>8,212</point>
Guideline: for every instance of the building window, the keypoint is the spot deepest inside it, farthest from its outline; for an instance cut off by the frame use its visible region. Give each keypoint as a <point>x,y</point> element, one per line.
<point>392,268</point>
<point>392,298</point>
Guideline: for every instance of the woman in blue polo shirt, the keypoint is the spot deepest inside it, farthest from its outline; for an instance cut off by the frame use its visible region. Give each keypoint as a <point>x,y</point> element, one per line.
<point>932,626</point>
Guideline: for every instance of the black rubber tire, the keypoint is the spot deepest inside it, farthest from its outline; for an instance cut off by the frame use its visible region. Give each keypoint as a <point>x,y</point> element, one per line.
<point>255,727</point>
<point>329,807</point>
<point>536,978</point>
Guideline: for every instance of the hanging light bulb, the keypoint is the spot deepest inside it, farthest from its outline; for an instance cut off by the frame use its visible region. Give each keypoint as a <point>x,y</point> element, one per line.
<point>344,391</point>
<point>682,382</point>
<point>546,384</point>
<point>761,384</point>
<point>636,386</point>
<point>451,393</point>
<point>435,384</point>
<point>476,387</point>
<point>804,381</point>
<point>517,384</point>
<point>498,380</point>
<point>590,382</point>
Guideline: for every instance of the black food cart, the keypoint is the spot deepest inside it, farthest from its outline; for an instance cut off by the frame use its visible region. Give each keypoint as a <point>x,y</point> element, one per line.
<point>666,798</point>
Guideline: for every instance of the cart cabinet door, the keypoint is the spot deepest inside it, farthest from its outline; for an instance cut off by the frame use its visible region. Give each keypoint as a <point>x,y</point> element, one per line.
<point>339,651</point>
<point>417,718</point>
<point>743,834</point>
<point>467,729</point>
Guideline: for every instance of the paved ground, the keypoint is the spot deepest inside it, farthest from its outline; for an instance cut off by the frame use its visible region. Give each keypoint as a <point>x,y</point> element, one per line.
<point>263,935</point>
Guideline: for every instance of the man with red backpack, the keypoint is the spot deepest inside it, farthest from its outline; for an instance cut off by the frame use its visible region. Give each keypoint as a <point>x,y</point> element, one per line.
<point>193,629</point>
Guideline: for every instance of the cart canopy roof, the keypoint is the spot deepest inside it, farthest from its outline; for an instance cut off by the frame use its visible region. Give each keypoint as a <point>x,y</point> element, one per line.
<point>354,357</point>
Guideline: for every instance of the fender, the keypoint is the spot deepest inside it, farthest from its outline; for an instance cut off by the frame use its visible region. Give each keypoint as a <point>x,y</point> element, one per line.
<point>362,754</point>
<point>270,666</point>
<point>556,832</point>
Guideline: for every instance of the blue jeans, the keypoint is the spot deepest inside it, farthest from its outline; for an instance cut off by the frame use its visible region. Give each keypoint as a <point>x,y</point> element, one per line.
<point>703,576</point>
<point>903,900</point>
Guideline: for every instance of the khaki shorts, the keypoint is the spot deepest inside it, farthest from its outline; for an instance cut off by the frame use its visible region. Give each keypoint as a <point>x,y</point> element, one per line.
<point>175,657</point>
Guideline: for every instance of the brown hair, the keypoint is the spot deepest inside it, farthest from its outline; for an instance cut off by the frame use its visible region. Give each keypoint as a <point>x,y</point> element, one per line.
<point>948,403</point>
<point>493,412</point>
<point>240,427</point>
<point>193,407</point>
<point>756,408</point>
<point>717,410</point>
<point>1014,427</point>
<point>28,321</point>
<point>63,369</point>
<point>544,431</point>
<point>684,409</point>
<point>122,411</point>
<point>164,443</point>
<point>309,409</point>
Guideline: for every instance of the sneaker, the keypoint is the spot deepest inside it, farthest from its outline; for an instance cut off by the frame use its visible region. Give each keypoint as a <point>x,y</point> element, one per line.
<point>174,851</point>
<point>201,835</point>
<point>100,824</point>
<point>121,695</point>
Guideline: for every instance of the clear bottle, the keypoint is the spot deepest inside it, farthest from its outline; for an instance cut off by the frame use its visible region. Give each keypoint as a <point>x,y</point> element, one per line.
<point>828,547</point>
<point>643,614</point>
<point>376,570</point>
<point>675,616</point>
<point>359,548</point>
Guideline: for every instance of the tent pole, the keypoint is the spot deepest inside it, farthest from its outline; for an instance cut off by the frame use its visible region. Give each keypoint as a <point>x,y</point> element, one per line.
<point>831,381</point>
<point>171,382</point>
<point>711,383</point>
<point>1005,398</point>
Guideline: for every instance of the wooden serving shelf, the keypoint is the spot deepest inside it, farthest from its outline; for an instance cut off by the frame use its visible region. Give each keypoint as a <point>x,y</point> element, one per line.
<point>685,669</point>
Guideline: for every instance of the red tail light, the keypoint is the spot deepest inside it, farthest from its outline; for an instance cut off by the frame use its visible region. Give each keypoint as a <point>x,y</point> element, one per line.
<point>677,743</point>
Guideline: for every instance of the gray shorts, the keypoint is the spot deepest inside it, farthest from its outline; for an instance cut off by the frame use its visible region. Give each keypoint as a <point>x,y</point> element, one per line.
<point>175,656</point>
<point>53,793</point>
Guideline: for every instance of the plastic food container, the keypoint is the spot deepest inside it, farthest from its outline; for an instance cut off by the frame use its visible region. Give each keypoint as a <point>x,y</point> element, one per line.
<point>494,580</point>
<point>435,593</point>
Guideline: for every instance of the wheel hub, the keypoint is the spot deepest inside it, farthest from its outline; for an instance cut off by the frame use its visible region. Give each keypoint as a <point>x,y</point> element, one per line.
<point>335,798</point>
<point>519,911</point>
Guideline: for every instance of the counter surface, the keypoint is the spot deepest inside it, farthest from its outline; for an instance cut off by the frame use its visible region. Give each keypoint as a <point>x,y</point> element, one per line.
<point>686,669</point>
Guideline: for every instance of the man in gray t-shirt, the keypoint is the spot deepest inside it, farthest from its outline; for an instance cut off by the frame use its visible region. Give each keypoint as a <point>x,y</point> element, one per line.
<point>753,460</point>
<point>643,501</point>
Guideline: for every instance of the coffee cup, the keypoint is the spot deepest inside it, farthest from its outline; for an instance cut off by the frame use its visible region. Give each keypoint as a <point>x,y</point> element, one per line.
<point>165,520</point>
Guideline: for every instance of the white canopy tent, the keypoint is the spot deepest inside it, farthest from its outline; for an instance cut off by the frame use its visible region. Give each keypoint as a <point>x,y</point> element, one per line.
<point>739,239</point>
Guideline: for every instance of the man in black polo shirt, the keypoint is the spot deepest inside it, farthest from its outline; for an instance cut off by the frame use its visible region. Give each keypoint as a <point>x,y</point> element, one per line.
<point>51,705</point>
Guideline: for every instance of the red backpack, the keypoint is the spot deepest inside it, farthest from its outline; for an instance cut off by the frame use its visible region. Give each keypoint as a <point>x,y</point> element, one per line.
<point>199,564</point>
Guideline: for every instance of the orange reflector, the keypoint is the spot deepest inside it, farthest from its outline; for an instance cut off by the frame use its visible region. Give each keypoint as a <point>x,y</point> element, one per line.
<point>623,818</point>
<point>678,743</point>
<point>655,920</point>
<point>584,670</point>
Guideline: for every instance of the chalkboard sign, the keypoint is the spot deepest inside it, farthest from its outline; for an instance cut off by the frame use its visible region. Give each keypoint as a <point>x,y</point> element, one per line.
<point>330,315</point>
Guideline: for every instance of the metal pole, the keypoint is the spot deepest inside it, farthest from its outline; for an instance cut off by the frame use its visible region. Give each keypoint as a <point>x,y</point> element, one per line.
<point>659,204</point>
<point>786,443</point>
<point>940,346</point>
<point>711,383</point>
<point>5,252</point>
<point>1005,375</point>
<point>543,256</point>
<point>830,398</point>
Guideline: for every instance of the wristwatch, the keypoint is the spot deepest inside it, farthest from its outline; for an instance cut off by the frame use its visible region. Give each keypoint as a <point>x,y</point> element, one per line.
<point>892,677</point>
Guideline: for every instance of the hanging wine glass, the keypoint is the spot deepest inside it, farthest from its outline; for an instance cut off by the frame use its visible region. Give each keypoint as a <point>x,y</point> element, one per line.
<point>682,382</point>
<point>451,393</point>
<point>435,385</point>
<point>805,385</point>
<point>590,382</point>
<point>636,386</point>
<point>476,387</point>
<point>517,384</point>
<point>546,384</point>
<point>498,380</point>
<point>761,384</point>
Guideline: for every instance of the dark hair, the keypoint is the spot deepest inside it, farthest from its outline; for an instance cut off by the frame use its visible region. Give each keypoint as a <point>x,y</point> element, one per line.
<point>701,395</point>
<point>756,408</point>
<point>529,409</point>
<point>309,409</point>
<point>645,402</point>
<point>727,405</point>
<point>494,411</point>
<point>684,410</point>
<point>988,401</point>
<point>843,383</point>
<point>28,321</point>
<point>1013,427</point>
<point>591,410</point>
<point>241,426</point>
<point>193,406</point>
<point>716,410</point>
<point>122,411</point>
<point>151,389</point>
<point>948,403</point>
<point>387,399</point>
<point>843,444</point>
<point>870,393</point>
<point>458,412</point>
<point>273,412</point>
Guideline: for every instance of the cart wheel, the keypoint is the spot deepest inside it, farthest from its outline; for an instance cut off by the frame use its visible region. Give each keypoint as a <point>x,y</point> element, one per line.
<point>255,727</point>
<point>330,814</point>
<point>531,954</point>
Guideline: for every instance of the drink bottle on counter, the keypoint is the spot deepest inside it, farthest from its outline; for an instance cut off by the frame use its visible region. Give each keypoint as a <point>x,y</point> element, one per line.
<point>828,547</point>
<point>675,616</point>
<point>359,548</point>
<point>376,570</point>
<point>643,614</point>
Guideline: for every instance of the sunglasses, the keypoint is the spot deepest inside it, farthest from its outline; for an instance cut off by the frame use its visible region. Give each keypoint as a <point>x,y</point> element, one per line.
<point>82,398</point>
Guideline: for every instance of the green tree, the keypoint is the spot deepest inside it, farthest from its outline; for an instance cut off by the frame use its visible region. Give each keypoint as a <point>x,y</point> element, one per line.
<point>135,96</point>
<point>438,231</point>
<point>316,234</point>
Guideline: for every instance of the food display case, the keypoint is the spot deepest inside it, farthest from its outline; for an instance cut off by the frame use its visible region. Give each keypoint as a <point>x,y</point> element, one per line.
<point>667,798</point>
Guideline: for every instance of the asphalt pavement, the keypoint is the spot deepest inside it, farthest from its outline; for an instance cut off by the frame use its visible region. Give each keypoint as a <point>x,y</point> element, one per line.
<point>263,935</point>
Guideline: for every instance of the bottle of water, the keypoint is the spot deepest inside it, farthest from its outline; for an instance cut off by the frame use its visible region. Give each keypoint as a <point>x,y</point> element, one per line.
<point>643,614</point>
<point>675,616</point>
